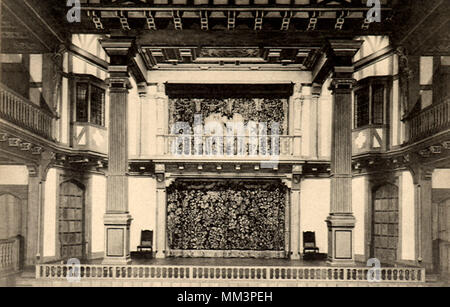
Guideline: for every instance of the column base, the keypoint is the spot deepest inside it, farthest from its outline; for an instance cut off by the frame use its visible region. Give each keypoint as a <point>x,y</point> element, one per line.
<point>117,238</point>
<point>160,255</point>
<point>116,261</point>
<point>294,256</point>
<point>340,240</point>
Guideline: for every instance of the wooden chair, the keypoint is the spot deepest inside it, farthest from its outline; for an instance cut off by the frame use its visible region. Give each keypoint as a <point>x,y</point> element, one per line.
<point>309,243</point>
<point>146,241</point>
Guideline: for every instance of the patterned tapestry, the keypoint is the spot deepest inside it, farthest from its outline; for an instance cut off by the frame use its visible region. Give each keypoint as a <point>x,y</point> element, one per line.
<point>262,110</point>
<point>226,215</point>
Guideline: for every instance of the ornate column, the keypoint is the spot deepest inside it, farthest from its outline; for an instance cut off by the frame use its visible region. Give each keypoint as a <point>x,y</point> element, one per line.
<point>37,176</point>
<point>295,119</point>
<point>117,219</point>
<point>35,186</point>
<point>162,124</point>
<point>294,246</point>
<point>316,89</point>
<point>424,219</point>
<point>161,211</point>
<point>142,91</point>
<point>341,220</point>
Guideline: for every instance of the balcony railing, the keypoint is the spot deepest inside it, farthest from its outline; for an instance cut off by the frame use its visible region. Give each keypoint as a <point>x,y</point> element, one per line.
<point>25,114</point>
<point>429,121</point>
<point>228,273</point>
<point>9,255</point>
<point>283,146</point>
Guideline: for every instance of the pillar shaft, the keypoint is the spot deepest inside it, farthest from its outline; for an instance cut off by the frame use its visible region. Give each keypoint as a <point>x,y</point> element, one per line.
<point>117,196</point>
<point>295,224</point>
<point>423,195</point>
<point>161,212</point>
<point>341,152</point>
<point>341,221</point>
<point>32,249</point>
<point>117,218</point>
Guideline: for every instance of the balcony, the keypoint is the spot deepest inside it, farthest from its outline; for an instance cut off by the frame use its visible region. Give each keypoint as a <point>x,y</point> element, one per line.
<point>206,147</point>
<point>25,114</point>
<point>90,137</point>
<point>369,139</point>
<point>428,122</point>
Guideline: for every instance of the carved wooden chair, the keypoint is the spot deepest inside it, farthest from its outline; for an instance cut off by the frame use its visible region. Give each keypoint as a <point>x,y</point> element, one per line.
<point>309,243</point>
<point>146,241</point>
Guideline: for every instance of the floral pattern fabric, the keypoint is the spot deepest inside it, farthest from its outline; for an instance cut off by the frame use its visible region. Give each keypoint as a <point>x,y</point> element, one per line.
<point>226,215</point>
<point>261,110</point>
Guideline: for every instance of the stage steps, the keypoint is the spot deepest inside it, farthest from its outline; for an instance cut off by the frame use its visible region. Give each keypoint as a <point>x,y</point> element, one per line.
<point>32,282</point>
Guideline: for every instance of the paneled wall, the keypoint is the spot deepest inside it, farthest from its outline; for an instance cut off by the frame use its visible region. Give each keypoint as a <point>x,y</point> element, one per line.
<point>407,217</point>
<point>97,197</point>
<point>49,214</point>
<point>142,207</point>
<point>360,206</point>
<point>314,209</point>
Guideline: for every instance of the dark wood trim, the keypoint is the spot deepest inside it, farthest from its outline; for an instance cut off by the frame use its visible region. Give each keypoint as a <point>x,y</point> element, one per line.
<point>282,90</point>
<point>373,58</point>
<point>92,59</point>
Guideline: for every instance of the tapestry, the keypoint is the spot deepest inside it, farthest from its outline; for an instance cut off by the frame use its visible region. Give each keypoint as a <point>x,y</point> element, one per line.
<point>226,215</point>
<point>260,110</point>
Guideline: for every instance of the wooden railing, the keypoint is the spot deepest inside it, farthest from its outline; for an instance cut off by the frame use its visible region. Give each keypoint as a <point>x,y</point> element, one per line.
<point>25,114</point>
<point>229,146</point>
<point>247,273</point>
<point>9,255</point>
<point>429,121</point>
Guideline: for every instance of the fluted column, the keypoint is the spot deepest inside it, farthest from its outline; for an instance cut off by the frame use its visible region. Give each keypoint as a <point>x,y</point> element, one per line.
<point>341,220</point>
<point>161,211</point>
<point>424,217</point>
<point>295,228</point>
<point>117,219</point>
<point>314,138</point>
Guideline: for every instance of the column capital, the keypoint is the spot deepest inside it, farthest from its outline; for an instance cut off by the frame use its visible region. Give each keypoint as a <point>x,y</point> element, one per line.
<point>343,48</point>
<point>119,83</point>
<point>316,90</point>
<point>142,89</point>
<point>120,49</point>
<point>119,79</point>
<point>124,57</point>
<point>342,84</point>
<point>160,173</point>
<point>422,174</point>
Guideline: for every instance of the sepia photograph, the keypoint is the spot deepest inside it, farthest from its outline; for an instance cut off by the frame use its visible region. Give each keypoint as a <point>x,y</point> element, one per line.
<point>224,149</point>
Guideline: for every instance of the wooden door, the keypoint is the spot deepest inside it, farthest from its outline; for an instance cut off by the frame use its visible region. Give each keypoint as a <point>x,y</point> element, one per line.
<point>385,224</point>
<point>71,221</point>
